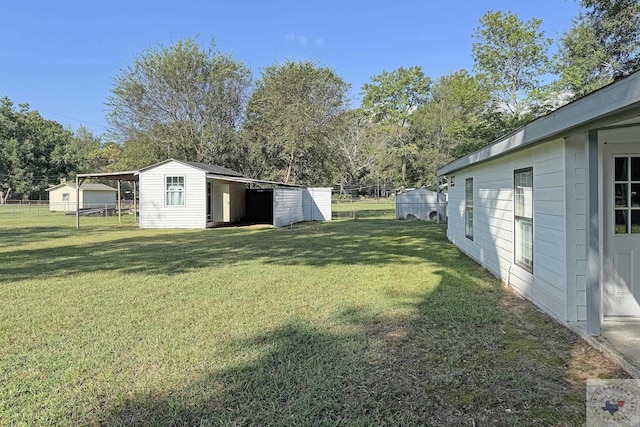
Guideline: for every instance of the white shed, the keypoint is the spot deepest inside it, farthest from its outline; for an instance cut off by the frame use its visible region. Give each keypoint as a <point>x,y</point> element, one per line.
<point>62,197</point>
<point>180,194</point>
<point>421,203</point>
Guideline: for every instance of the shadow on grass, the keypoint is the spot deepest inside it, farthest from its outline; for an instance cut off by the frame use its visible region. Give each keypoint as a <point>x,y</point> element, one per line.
<point>469,352</point>
<point>463,358</point>
<point>359,242</point>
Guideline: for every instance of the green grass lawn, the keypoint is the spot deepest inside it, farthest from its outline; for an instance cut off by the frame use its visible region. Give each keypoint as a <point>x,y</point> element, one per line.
<point>351,322</point>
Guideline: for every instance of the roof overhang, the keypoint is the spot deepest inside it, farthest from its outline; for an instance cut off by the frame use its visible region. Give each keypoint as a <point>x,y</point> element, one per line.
<point>620,99</point>
<point>116,176</point>
<point>251,181</point>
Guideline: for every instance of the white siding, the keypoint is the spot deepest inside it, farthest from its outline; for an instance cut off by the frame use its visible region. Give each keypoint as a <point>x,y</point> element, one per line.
<point>57,204</point>
<point>154,213</point>
<point>287,206</point>
<point>576,226</point>
<point>493,244</point>
<point>316,204</point>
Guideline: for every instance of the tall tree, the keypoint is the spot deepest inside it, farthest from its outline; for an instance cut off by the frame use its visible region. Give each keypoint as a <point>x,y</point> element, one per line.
<point>389,100</point>
<point>32,152</point>
<point>616,24</point>
<point>602,45</point>
<point>290,120</point>
<point>450,124</point>
<point>182,101</point>
<point>511,58</point>
<point>355,147</point>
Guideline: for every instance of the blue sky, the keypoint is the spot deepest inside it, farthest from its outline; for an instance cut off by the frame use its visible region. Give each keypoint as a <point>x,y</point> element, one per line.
<point>61,56</point>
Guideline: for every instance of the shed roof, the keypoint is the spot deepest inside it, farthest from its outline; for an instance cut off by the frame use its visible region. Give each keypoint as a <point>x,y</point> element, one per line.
<point>84,187</point>
<point>621,98</point>
<point>214,169</point>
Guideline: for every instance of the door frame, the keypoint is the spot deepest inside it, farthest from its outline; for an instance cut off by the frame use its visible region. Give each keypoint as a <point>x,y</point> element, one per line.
<point>595,202</point>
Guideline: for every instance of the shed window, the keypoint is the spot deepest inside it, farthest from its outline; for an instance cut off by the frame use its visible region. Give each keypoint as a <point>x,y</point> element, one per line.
<point>65,197</point>
<point>468,208</point>
<point>523,218</point>
<point>175,190</point>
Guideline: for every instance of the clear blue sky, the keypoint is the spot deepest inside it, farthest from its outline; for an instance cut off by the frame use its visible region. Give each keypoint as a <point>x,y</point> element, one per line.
<point>61,56</point>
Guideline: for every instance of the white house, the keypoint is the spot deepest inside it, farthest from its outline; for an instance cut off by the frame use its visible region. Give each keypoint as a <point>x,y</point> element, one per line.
<point>421,203</point>
<point>62,197</point>
<point>181,194</point>
<point>553,209</point>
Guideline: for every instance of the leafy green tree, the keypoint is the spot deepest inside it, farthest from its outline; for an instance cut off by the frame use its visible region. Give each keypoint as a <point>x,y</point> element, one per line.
<point>290,120</point>
<point>33,152</point>
<point>511,58</point>
<point>603,45</point>
<point>389,101</point>
<point>616,25</point>
<point>182,101</point>
<point>449,124</point>
<point>355,148</point>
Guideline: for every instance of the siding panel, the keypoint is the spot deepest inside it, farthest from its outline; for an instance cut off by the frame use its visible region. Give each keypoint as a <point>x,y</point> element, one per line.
<point>493,244</point>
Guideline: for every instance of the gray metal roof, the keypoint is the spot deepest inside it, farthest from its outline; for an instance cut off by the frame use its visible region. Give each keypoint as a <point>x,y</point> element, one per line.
<point>219,170</point>
<point>621,98</point>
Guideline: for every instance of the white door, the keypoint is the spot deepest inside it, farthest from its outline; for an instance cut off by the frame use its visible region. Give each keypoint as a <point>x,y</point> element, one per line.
<point>221,203</point>
<point>621,188</point>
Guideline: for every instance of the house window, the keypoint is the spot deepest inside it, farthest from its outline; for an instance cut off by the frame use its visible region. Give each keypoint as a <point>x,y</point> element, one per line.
<point>468,208</point>
<point>452,181</point>
<point>627,195</point>
<point>523,217</point>
<point>175,190</point>
<point>65,197</point>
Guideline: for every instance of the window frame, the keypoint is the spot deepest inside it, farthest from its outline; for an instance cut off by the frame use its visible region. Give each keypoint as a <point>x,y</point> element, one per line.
<point>468,208</point>
<point>66,197</point>
<point>168,191</point>
<point>520,219</point>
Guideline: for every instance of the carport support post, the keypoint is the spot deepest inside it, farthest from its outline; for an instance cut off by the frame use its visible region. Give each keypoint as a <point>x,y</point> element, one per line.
<point>135,203</point>
<point>79,182</point>
<point>438,199</point>
<point>119,204</point>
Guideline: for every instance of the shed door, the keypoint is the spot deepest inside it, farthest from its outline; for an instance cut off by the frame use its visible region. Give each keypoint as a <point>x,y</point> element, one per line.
<point>221,203</point>
<point>621,288</point>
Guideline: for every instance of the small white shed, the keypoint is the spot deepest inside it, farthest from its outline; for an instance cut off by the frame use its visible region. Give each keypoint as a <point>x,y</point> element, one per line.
<point>62,197</point>
<point>421,203</point>
<point>181,194</point>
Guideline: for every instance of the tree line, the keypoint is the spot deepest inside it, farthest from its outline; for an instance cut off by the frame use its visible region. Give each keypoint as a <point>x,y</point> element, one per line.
<point>295,123</point>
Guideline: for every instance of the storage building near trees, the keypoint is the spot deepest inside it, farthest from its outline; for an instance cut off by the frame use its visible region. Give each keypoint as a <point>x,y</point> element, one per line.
<point>421,204</point>
<point>180,194</point>
<point>62,197</point>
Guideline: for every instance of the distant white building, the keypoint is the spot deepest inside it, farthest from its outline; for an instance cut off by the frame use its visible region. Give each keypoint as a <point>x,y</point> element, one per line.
<point>421,203</point>
<point>62,197</point>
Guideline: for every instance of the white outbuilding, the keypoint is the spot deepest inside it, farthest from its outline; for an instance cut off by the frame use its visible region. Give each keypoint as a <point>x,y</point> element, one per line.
<point>420,203</point>
<point>62,197</point>
<point>553,209</point>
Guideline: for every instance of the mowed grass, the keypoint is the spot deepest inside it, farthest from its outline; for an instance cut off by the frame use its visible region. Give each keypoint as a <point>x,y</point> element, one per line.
<point>369,321</point>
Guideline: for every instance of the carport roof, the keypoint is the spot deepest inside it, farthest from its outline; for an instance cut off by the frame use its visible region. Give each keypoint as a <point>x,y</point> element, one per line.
<point>117,176</point>
<point>244,180</point>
